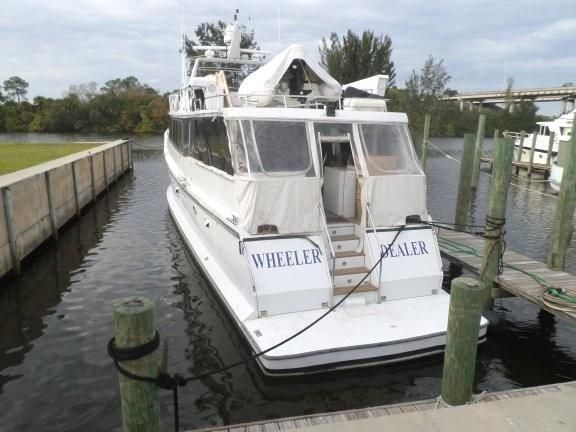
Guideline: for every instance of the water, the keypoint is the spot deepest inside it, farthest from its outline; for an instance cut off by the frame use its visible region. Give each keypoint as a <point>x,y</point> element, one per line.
<point>56,319</point>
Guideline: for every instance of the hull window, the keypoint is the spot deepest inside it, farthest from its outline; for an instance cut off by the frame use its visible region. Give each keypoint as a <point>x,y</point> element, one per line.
<point>203,139</point>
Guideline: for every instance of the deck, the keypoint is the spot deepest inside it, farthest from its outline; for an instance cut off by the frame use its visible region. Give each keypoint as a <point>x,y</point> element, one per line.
<point>536,167</point>
<point>549,407</point>
<point>512,281</point>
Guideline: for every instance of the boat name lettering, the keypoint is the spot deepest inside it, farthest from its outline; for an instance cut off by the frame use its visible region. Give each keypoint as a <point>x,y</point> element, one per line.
<point>286,258</point>
<point>404,249</point>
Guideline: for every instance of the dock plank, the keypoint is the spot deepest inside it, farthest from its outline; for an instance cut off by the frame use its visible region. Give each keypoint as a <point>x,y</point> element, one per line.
<point>512,281</point>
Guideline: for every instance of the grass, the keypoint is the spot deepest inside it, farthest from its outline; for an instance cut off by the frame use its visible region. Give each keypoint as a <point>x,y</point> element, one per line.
<point>14,157</point>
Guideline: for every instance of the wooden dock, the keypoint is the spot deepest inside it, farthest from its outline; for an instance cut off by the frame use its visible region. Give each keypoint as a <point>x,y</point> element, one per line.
<point>547,407</point>
<point>511,281</point>
<point>539,168</point>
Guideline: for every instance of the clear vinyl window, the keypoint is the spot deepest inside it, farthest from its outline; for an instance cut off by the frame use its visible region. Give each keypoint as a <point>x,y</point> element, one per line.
<point>278,148</point>
<point>388,149</point>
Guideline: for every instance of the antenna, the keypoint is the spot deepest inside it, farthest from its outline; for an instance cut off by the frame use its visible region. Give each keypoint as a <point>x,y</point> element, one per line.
<point>183,55</point>
<point>278,22</point>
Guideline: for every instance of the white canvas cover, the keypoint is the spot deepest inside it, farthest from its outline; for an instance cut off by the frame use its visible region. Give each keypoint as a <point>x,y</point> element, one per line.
<point>394,197</point>
<point>264,81</point>
<point>291,204</point>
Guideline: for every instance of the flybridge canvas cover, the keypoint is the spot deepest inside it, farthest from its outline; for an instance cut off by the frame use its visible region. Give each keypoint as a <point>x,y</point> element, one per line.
<point>264,81</point>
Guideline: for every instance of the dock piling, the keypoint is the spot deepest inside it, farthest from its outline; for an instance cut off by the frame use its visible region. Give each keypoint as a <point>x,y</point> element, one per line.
<point>550,145</point>
<point>478,151</point>
<point>75,184</point>
<point>134,326</point>
<point>464,182</point>
<point>495,215</point>
<point>563,225</point>
<point>520,146</point>
<point>51,212</point>
<point>92,178</point>
<point>532,150</point>
<point>11,230</point>
<point>425,137</point>
<point>461,341</point>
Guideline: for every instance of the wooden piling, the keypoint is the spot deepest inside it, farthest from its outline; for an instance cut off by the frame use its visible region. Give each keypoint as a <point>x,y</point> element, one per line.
<point>11,230</point>
<point>425,137</point>
<point>532,150</point>
<point>134,326</point>
<point>503,154</point>
<point>478,150</point>
<point>104,169</point>
<point>76,189</point>
<point>51,212</point>
<point>464,182</point>
<point>550,146</point>
<point>92,178</point>
<point>520,147</point>
<point>461,341</point>
<point>563,226</point>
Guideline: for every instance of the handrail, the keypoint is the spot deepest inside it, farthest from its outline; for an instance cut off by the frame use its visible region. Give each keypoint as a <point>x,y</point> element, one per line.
<point>332,253</point>
<point>379,246</point>
<point>252,280</point>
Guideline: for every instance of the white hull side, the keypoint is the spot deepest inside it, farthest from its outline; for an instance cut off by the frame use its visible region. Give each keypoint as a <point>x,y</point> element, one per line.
<point>555,177</point>
<point>348,337</point>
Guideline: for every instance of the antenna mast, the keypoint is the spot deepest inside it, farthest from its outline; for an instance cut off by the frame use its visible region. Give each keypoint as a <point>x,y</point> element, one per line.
<point>183,55</point>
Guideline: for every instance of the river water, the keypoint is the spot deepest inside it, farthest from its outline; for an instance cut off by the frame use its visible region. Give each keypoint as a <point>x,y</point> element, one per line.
<point>56,319</point>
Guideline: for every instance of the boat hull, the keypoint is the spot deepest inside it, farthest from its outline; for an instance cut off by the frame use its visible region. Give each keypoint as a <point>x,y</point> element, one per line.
<point>555,177</point>
<point>387,332</point>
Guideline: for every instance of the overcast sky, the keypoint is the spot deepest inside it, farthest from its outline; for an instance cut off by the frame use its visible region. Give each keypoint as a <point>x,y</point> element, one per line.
<point>55,43</point>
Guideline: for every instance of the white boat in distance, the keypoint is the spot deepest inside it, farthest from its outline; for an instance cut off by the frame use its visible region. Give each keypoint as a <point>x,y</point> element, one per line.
<point>561,127</point>
<point>286,194</point>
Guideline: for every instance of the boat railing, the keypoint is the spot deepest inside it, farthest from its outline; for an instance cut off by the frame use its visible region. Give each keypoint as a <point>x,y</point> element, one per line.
<point>251,275</point>
<point>291,101</point>
<point>332,253</point>
<point>378,248</point>
<point>184,101</point>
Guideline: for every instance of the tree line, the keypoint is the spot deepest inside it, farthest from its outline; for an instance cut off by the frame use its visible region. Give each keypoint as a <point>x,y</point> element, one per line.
<point>122,105</point>
<point>127,105</point>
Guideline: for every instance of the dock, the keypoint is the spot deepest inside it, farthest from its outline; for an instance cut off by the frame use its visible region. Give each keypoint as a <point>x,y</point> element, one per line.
<point>539,168</point>
<point>36,202</point>
<point>549,407</point>
<point>511,281</point>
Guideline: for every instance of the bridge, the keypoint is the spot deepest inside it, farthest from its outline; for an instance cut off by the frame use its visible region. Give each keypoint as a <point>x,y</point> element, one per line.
<point>566,95</point>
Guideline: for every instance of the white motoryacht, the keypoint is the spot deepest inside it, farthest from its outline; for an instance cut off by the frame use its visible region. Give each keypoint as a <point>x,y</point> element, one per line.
<point>561,128</point>
<point>287,194</point>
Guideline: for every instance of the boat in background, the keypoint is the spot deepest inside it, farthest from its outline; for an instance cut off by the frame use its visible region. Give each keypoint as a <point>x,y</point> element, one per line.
<point>561,127</point>
<point>287,193</point>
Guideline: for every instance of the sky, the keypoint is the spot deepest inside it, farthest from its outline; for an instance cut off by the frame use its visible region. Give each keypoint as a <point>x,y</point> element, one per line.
<point>53,44</point>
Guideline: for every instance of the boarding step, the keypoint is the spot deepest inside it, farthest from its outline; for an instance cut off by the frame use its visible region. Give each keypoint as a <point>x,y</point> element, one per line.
<point>349,259</point>
<point>350,276</point>
<point>344,243</point>
<point>340,230</point>
<point>343,290</point>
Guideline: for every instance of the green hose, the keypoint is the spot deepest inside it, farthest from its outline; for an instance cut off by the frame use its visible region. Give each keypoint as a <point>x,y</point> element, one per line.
<point>453,246</point>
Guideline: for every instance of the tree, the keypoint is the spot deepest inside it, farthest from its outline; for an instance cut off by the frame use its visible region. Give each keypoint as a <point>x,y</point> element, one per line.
<point>15,88</point>
<point>430,82</point>
<point>357,57</point>
<point>84,92</point>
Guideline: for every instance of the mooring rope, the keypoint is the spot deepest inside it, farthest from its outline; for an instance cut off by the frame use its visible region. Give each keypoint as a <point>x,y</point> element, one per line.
<point>172,382</point>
